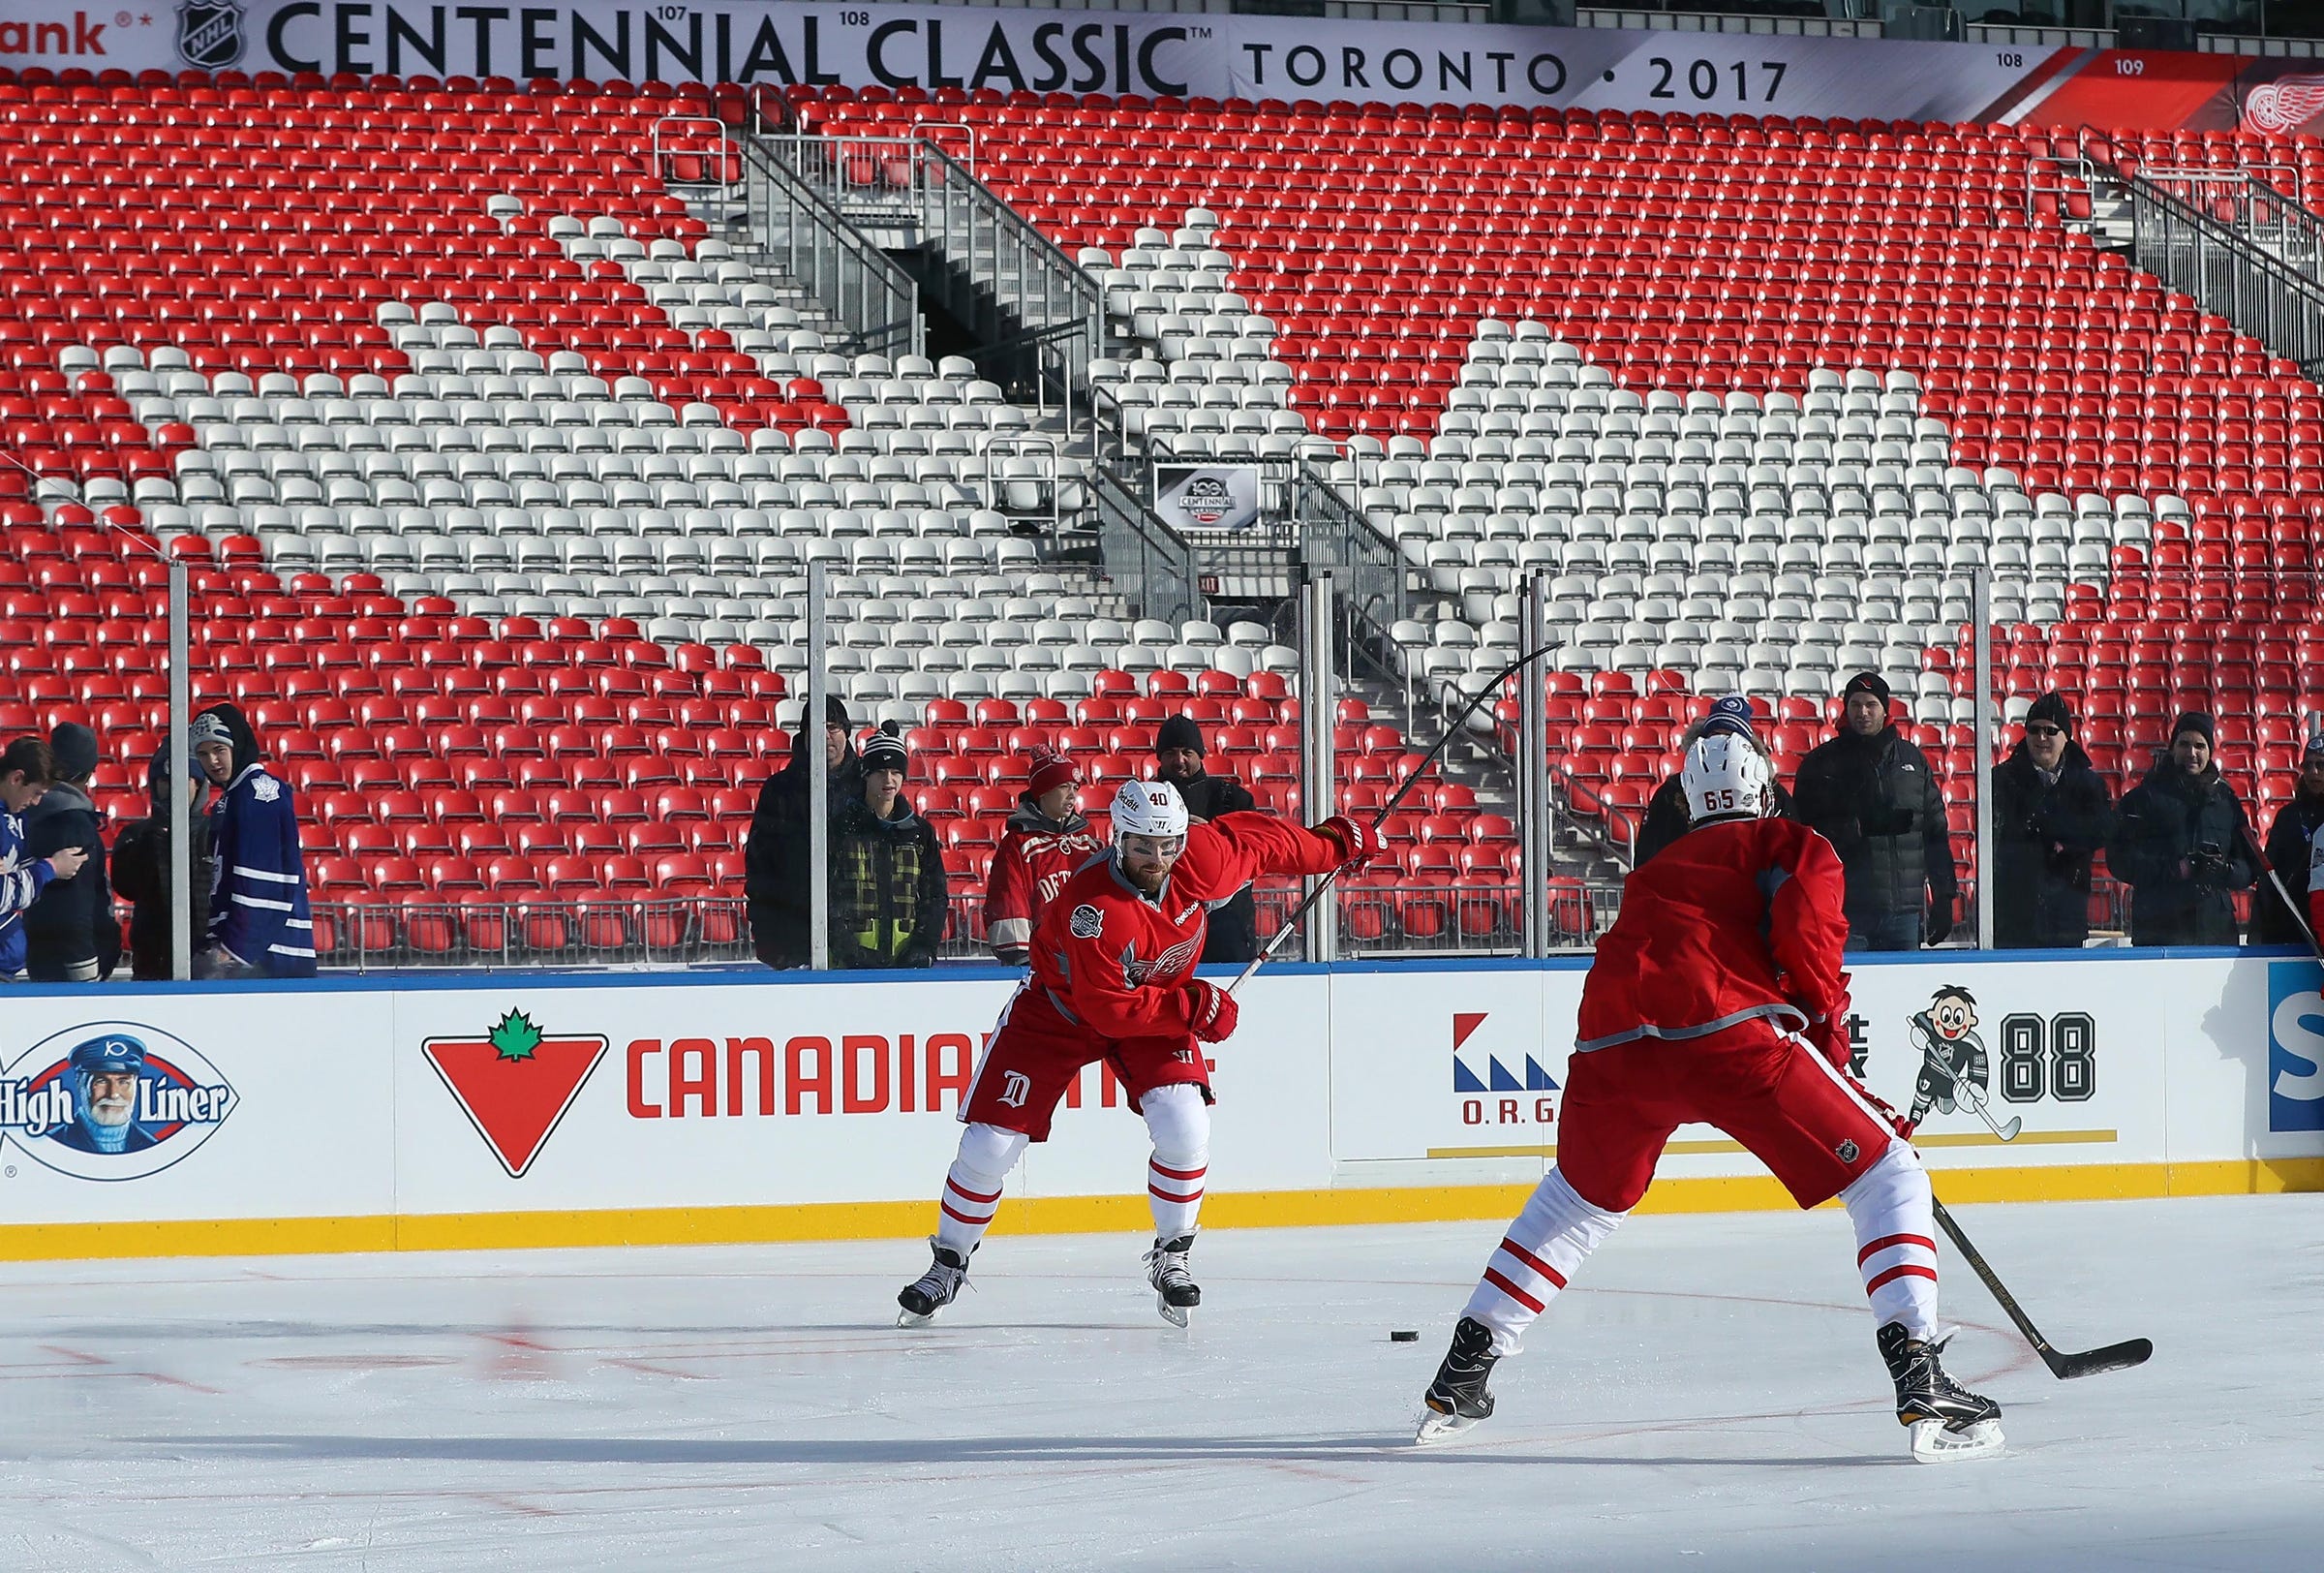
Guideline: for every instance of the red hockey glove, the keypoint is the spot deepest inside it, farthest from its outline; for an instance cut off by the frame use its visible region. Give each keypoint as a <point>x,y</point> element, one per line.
<point>1211,1010</point>
<point>1359,842</point>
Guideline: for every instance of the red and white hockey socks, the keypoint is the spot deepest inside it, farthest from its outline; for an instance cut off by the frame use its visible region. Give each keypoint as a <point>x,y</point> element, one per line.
<point>1545,1245</point>
<point>1180,1122</point>
<point>972,1190</point>
<point>1896,1239</point>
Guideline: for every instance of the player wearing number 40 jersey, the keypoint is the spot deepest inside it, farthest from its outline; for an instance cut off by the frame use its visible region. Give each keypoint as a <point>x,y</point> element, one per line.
<point>1112,980</point>
<point>1718,997</point>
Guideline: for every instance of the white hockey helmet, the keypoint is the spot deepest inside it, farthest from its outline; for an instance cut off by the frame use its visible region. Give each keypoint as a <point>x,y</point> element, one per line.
<point>1725,777</point>
<point>1149,808</point>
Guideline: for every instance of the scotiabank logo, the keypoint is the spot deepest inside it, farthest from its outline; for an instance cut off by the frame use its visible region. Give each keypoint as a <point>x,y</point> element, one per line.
<point>83,35</point>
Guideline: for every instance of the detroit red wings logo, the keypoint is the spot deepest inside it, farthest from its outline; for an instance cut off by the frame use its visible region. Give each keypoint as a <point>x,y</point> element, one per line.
<point>2283,105</point>
<point>1135,972</point>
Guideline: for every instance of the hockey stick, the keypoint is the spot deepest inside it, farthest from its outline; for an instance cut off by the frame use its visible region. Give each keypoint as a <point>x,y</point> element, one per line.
<point>1976,1106</point>
<point>1484,693</point>
<point>2251,841</point>
<point>2064,1366</point>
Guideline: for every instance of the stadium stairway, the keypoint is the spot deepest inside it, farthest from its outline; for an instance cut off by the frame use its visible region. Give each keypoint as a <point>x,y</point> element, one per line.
<point>1760,391</point>
<point>498,476</point>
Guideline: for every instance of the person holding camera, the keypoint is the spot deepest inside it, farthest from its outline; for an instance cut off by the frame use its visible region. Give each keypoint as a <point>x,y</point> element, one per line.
<point>2182,843</point>
<point>2051,814</point>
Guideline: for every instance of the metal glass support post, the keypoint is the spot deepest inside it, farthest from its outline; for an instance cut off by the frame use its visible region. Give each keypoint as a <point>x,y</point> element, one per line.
<point>1319,703</point>
<point>1533,771</point>
<point>818,770</point>
<point>1989,737</point>
<point>181,749</point>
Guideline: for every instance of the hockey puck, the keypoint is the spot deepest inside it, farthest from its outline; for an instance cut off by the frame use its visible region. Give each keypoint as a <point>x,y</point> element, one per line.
<point>1403,1334</point>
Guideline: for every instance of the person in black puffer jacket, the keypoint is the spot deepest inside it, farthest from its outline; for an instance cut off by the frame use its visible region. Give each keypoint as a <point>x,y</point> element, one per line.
<point>1667,816</point>
<point>1876,800</point>
<point>2051,814</point>
<point>70,934</point>
<point>141,868</point>
<point>2290,846</point>
<point>1178,759</point>
<point>776,881</point>
<point>2182,843</point>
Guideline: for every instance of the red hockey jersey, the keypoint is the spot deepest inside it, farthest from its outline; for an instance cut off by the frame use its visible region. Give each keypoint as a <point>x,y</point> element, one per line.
<point>1108,960</point>
<point>1036,858</point>
<point>1734,921</point>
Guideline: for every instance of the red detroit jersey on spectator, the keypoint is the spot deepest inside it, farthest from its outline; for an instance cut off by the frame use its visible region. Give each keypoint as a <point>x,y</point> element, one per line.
<point>1109,966</point>
<point>1027,872</point>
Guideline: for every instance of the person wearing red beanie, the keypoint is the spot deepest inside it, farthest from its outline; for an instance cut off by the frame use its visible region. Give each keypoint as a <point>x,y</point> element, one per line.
<point>1048,837</point>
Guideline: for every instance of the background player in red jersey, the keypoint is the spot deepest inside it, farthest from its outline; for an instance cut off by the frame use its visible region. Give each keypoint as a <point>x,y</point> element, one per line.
<point>1113,979</point>
<point>1718,997</point>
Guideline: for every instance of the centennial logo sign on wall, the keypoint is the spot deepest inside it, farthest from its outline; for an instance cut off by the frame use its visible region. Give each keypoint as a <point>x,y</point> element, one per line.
<point>111,1100</point>
<point>515,1083</point>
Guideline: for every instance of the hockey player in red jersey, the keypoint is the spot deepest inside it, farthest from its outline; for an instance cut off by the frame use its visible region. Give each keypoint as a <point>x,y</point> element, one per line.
<point>1047,839</point>
<point>1112,980</point>
<point>1718,997</point>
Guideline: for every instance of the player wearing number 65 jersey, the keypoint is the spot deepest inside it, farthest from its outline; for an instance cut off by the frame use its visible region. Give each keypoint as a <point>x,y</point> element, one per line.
<point>1112,980</point>
<point>1718,997</point>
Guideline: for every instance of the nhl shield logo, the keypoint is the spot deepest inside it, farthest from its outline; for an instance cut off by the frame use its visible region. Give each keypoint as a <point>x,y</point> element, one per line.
<point>209,33</point>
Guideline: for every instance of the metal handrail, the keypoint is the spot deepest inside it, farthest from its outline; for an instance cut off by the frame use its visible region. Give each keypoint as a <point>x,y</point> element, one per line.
<point>1152,567</point>
<point>857,280</point>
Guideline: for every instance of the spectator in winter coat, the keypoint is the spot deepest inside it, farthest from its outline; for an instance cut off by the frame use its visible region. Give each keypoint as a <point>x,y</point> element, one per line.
<point>27,768</point>
<point>259,921</point>
<point>2290,847</point>
<point>1179,759</point>
<point>2051,812</point>
<point>888,898</point>
<point>776,860</point>
<point>1048,837</point>
<point>70,935</point>
<point>1876,800</point>
<point>2182,843</point>
<point>141,868</point>
<point>1667,818</point>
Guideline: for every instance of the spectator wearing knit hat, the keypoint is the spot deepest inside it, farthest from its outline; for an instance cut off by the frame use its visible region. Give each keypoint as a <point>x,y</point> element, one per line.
<point>259,919</point>
<point>1178,759</point>
<point>1048,837</point>
<point>2051,815</point>
<point>2182,845</point>
<point>2291,851</point>
<point>70,934</point>
<point>1667,818</point>
<point>1875,798</point>
<point>889,900</point>
<point>27,770</point>
<point>775,881</point>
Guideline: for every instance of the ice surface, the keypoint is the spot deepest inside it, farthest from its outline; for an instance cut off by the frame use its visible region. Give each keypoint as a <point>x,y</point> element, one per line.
<point>1707,1397</point>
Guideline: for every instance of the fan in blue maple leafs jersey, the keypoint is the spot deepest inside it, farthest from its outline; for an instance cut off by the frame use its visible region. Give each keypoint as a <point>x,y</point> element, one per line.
<point>259,921</point>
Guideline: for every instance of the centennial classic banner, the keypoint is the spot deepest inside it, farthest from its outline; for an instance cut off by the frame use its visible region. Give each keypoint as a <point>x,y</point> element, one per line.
<point>1013,49</point>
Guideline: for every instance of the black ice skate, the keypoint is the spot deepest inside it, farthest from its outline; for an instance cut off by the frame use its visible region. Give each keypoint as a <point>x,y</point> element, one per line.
<point>1947,1421</point>
<point>1458,1400</point>
<point>1174,1290</point>
<point>937,1288</point>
